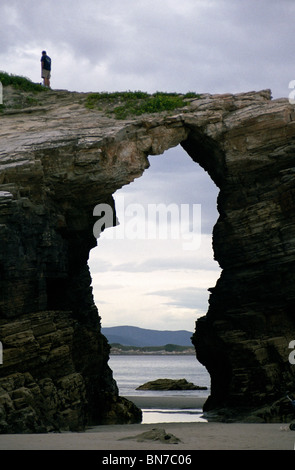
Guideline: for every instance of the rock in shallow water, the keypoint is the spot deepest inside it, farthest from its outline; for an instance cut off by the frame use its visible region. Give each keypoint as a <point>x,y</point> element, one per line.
<point>170,384</point>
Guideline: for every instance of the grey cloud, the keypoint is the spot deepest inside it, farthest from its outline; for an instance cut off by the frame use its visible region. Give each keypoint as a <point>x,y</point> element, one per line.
<point>211,46</point>
<point>164,264</point>
<point>175,178</point>
<point>100,265</point>
<point>79,26</point>
<point>221,42</point>
<point>111,287</point>
<point>189,297</point>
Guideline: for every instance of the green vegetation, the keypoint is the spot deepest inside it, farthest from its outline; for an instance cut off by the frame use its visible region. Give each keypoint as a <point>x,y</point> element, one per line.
<point>20,83</point>
<point>121,105</point>
<point>23,93</point>
<point>168,348</point>
<point>128,103</point>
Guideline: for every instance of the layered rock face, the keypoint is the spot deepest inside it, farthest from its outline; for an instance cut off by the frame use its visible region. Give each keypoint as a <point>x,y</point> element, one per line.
<point>244,338</point>
<point>57,162</point>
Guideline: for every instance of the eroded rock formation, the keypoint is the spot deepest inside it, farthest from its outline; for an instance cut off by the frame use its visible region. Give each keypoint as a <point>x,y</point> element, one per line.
<point>170,384</point>
<point>57,162</point>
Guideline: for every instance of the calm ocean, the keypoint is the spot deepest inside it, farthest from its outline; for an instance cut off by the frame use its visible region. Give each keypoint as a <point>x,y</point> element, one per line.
<point>132,371</point>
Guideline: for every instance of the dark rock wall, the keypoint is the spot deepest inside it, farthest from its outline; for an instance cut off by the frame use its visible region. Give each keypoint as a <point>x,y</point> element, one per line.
<point>55,372</point>
<point>244,338</point>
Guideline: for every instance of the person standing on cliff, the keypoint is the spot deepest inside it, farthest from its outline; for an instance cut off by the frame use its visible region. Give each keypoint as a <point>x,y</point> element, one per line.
<point>46,68</point>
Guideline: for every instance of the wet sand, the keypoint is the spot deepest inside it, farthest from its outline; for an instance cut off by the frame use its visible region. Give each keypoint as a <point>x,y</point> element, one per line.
<point>191,436</point>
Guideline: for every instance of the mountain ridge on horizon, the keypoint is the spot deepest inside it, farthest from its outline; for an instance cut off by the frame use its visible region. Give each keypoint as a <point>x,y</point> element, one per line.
<point>135,336</point>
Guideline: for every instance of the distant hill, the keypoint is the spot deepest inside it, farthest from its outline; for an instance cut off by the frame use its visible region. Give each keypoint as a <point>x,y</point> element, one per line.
<point>134,336</point>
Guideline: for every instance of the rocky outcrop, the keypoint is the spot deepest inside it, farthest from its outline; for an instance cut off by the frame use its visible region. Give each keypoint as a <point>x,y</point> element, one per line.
<point>170,384</point>
<point>55,376</point>
<point>155,434</point>
<point>58,160</point>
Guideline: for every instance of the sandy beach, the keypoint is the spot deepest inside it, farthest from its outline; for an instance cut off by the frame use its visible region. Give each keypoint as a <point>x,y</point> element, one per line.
<point>136,437</point>
<point>194,436</point>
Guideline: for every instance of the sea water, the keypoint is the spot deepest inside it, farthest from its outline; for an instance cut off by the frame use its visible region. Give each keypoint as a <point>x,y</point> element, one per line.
<point>132,371</point>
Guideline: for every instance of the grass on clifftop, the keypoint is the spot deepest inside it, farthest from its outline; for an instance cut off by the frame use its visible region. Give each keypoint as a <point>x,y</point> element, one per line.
<point>23,95</point>
<point>21,83</point>
<point>128,103</point>
<point>121,105</point>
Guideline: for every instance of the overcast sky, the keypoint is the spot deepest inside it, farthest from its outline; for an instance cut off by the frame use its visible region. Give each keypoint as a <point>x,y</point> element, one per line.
<point>155,282</point>
<point>210,46</point>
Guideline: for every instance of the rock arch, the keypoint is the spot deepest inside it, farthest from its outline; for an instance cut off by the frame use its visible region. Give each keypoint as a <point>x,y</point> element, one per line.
<point>52,174</point>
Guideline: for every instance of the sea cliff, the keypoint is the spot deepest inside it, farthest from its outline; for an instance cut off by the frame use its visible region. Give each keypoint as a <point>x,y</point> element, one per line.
<point>60,158</point>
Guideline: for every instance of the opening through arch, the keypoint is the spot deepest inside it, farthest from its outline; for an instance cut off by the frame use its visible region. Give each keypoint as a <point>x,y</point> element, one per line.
<point>157,282</point>
<point>171,272</point>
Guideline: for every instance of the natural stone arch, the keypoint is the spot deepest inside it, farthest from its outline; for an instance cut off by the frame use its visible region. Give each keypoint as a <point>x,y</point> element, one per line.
<point>56,170</point>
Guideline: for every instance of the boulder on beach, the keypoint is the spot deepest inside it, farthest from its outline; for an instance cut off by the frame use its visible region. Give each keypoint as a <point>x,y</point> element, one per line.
<point>155,434</point>
<point>170,384</point>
